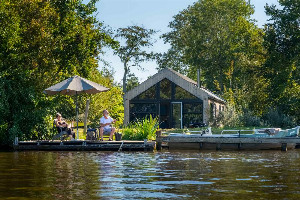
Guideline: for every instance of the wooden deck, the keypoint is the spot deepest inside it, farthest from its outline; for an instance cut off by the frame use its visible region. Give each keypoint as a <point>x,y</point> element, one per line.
<point>84,145</point>
<point>192,142</point>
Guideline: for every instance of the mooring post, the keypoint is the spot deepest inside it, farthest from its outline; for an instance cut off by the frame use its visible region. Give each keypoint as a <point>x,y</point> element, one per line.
<point>86,116</point>
<point>218,147</point>
<point>158,140</point>
<point>284,147</point>
<point>201,145</point>
<point>16,141</point>
<point>239,146</point>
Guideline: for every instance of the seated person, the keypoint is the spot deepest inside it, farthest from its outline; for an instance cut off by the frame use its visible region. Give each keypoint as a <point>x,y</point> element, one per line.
<point>61,125</point>
<point>105,125</point>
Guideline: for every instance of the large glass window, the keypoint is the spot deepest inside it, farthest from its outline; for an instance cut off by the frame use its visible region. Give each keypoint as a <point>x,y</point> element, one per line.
<point>161,99</point>
<point>142,110</point>
<point>148,94</point>
<point>143,107</point>
<point>192,120</point>
<point>192,108</point>
<point>192,114</point>
<point>181,93</point>
<point>140,116</point>
<point>165,89</point>
<point>212,111</point>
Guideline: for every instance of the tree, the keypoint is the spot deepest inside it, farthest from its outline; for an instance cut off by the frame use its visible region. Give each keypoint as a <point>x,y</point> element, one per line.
<point>111,100</point>
<point>132,53</point>
<point>42,43</point>
<point>282,67</point>
<point>219,37</point>
<point>132,81</point>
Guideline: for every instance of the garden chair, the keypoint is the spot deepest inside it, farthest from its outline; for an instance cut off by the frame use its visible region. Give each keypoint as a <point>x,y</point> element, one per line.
<point>91,134</point>
<point>105,134</point>
<point>58,133</point>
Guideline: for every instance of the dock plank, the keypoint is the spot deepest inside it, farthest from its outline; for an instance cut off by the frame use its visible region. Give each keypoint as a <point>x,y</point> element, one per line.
<point>192,142</point>
<point>85,145</point>
<point>193,139</point>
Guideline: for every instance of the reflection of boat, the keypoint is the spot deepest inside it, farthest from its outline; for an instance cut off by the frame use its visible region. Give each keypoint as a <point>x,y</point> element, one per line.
<point>268,138</point>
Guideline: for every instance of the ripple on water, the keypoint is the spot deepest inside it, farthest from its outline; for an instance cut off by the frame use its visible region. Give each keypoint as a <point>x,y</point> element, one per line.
<point>143,175</point>
<point>243,179</point>
<point>184,182</point>
<point>144,194</point>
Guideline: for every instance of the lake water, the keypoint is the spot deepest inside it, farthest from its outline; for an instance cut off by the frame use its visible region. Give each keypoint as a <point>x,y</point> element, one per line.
<point>143,175</point>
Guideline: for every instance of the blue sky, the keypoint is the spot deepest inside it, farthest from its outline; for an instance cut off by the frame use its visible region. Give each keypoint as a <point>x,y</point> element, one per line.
<point>154,14</point>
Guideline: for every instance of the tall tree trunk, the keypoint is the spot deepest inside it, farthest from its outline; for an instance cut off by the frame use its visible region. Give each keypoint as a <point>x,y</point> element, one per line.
<point>124,84</point>
<point>125,77</point>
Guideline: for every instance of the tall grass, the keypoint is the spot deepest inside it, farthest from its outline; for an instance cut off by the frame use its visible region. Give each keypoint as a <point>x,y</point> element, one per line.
<point>141,129</point>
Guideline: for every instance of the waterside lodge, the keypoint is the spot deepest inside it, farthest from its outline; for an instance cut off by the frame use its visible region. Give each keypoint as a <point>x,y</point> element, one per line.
<point>177,100</point>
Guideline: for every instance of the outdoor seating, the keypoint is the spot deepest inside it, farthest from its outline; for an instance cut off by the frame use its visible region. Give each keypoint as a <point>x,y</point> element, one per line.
<point>105,134</point>
<point>92,134</point>
<point>58,133</point>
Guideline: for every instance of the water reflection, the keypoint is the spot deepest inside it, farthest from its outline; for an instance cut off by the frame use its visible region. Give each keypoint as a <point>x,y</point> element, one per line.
<point>48,175</point>
<point>142,175</point>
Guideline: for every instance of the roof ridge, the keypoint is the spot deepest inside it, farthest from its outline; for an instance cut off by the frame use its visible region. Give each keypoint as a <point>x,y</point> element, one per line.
<point>194,82</point>
<point>209,93</point>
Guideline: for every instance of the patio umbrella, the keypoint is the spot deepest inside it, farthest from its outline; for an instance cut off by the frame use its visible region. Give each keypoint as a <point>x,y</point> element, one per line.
<point>73,86</point>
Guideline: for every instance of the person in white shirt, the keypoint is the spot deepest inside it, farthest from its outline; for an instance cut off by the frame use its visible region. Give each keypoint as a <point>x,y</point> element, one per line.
<point>105,125</point>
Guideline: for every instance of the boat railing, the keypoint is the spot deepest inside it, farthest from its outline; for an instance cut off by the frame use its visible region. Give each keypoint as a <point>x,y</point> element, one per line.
<point>237,131</point>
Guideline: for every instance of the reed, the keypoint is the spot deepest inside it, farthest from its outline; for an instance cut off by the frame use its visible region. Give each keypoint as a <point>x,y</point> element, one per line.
<point>141,129</point>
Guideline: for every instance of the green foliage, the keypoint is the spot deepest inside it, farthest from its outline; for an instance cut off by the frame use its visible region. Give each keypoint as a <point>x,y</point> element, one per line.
<point>132,82</point>
<point>231,118</point>
<point>276,118</point>
<point>228,118</point>
<point>41,44</point>
<point>282,66</point>
<point>141,129</point>
<point>111,100</point>
<point>132,52</point>
<point>218,37</point>
<point>253,69</point>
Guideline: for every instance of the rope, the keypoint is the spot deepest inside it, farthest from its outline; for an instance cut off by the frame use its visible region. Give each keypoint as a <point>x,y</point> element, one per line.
<point>120,149</point>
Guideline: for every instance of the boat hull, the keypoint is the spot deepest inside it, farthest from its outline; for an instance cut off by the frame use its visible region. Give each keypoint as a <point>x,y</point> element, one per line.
<point>194,142</point>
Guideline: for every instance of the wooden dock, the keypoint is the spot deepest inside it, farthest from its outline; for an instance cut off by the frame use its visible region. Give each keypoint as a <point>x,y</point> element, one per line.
<point>198,142</point>
<point>84,145</point>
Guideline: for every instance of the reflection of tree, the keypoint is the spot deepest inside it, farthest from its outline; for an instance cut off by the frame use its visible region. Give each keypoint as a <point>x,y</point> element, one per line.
<point>148,94</point>
<point>181,93</point>
<point>165,89</point>
<point>143,108</point>
<point>88,175</point>
<point>79,174</point>
<point>52,175</point>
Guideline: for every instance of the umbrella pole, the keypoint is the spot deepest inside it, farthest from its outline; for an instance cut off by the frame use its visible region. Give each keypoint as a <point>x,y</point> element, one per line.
<point>77,117</point>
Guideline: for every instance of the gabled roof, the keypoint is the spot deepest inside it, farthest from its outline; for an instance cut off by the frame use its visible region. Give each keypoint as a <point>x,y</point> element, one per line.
<point>177,78</point>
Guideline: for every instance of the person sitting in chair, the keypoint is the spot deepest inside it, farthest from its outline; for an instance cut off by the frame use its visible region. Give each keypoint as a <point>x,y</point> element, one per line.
<point>105,125</point>
<point>61,126</point>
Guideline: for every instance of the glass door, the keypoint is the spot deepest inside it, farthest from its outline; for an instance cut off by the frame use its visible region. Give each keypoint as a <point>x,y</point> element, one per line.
<point>176,114</point>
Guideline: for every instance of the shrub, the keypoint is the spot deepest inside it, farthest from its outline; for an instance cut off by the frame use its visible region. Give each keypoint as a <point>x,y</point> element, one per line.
<point>228,118</point>
<point>141,129</point>
<point>248,119</point>
<point>276,118</point>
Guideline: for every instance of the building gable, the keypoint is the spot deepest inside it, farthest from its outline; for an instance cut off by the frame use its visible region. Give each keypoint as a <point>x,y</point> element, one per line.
<point>182,81</point>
